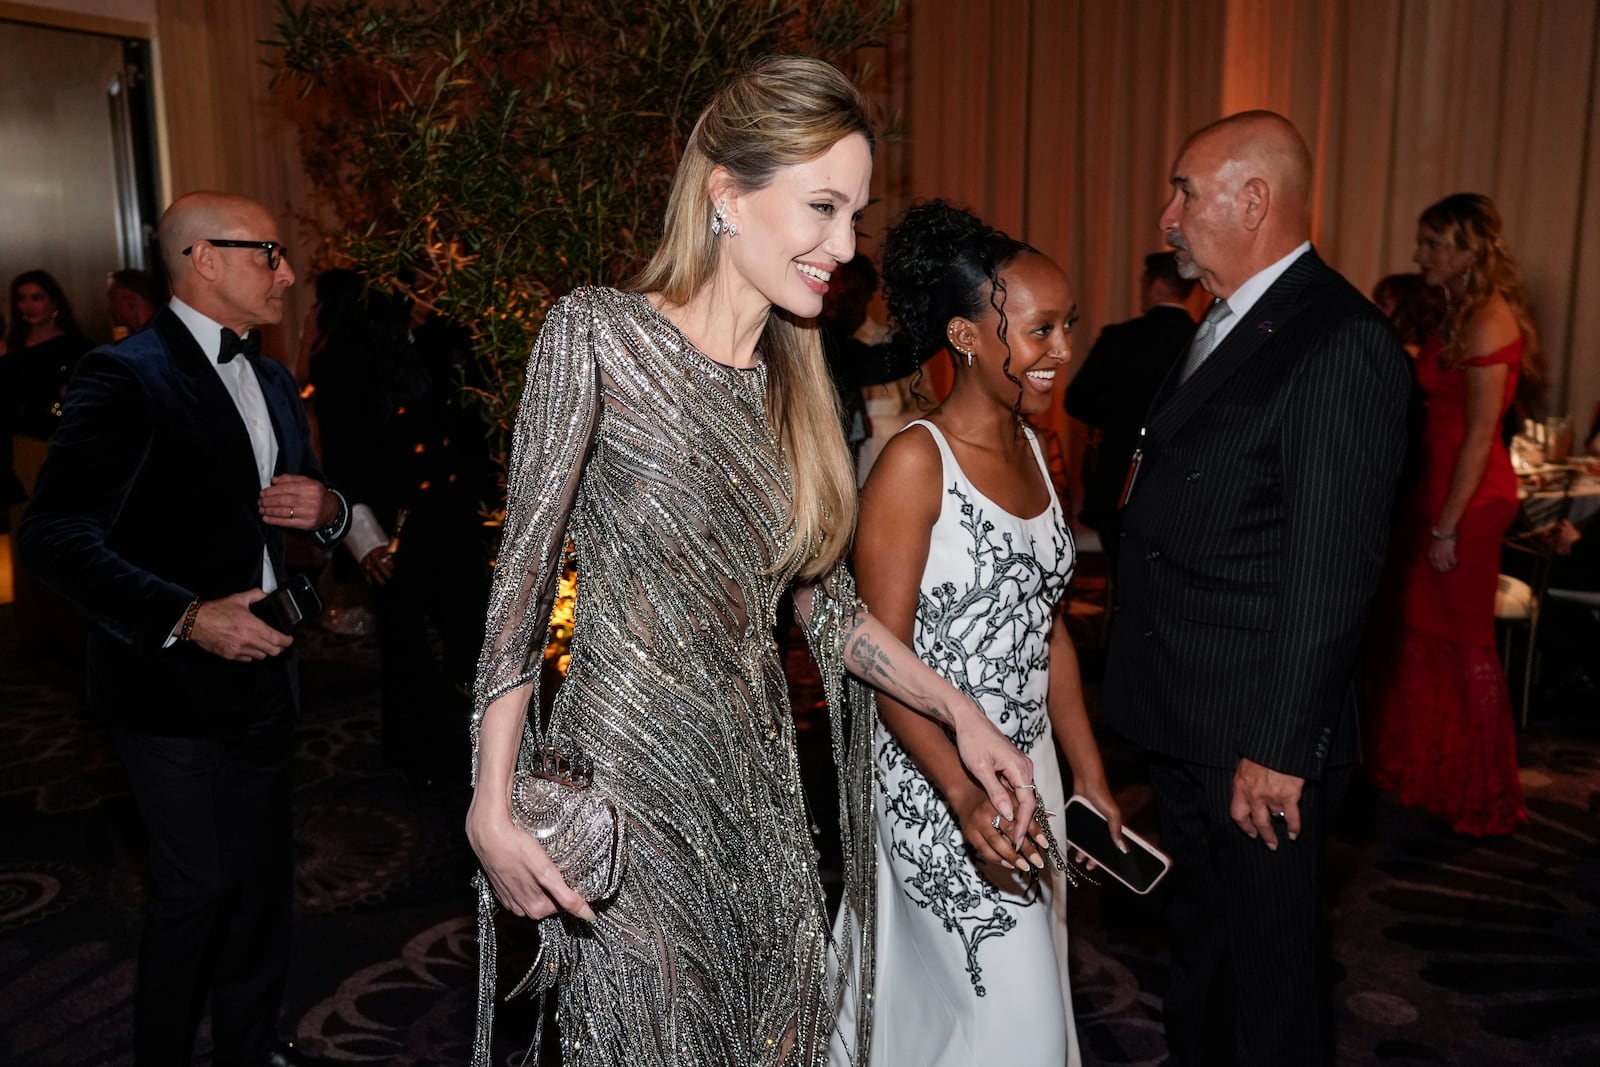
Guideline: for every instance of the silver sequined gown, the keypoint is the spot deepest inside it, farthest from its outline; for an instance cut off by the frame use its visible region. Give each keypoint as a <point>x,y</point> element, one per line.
<point>662,467</point>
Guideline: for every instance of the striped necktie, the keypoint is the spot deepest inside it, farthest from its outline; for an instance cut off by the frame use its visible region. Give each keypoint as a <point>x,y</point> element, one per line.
<point>1205,338</point>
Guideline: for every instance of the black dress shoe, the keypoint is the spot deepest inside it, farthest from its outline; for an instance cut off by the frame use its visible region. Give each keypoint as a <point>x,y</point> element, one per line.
<point>284,1054</point>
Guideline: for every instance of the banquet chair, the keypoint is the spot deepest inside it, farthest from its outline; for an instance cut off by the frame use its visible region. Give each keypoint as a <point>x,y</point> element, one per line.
<point>1585,597</point>
<point>1516,607</point>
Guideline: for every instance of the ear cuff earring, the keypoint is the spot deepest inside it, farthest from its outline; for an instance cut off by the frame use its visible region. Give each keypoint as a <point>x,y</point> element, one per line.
<point>720,222</point>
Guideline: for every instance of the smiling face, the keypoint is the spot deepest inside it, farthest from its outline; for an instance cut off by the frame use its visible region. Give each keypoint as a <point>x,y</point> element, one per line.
<point>796,229</point>
<point>1039,319</point>
<point>1438,258</point>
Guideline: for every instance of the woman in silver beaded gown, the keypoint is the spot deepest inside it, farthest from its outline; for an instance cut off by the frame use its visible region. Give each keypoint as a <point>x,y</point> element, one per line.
<point>686,438</point>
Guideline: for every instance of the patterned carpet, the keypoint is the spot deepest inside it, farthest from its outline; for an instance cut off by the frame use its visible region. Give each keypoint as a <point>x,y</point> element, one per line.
<point>1447,951</point>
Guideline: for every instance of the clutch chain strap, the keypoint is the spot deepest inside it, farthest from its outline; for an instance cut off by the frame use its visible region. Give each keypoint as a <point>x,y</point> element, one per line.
<point>1074,873</point>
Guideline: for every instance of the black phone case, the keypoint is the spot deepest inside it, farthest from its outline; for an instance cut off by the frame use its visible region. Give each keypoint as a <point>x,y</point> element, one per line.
<point>1139,868</point>
<point>291,607</point>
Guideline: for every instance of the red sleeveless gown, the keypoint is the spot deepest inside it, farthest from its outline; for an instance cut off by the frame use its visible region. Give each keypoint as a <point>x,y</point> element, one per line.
<point>1441,732</point>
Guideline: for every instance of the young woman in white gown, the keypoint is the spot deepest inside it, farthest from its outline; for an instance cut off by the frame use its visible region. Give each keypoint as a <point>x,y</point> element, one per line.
<point>963,551</point>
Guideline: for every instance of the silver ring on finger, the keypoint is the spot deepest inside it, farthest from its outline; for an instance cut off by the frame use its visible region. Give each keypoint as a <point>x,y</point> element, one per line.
<point>291,511</point>
<point>1277,815</point>
<point>995,822</point>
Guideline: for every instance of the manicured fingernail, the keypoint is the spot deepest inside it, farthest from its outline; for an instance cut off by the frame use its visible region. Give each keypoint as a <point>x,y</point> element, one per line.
<point>1294,837</point>
<point>1007,865</point>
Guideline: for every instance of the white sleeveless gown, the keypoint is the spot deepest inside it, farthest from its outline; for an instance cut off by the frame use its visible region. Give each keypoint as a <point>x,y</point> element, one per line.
<point>973,968</point>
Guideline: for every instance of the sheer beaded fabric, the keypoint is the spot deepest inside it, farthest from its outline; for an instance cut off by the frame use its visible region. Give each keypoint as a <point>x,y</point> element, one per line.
<point>662,467</point>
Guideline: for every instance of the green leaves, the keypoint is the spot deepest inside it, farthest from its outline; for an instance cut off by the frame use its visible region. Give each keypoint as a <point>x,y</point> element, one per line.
<point>486,156</point>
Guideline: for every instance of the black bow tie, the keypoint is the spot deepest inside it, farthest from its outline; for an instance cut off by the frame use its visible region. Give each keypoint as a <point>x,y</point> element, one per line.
<point>248,346</point>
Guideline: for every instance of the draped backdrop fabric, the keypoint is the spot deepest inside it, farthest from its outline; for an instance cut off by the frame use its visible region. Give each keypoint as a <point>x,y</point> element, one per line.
<point>1058,120</point>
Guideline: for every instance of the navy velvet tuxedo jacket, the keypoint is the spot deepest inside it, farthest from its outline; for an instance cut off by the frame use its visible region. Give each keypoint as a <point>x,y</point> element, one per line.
<point>148,500</point>
<point>1255,534</point>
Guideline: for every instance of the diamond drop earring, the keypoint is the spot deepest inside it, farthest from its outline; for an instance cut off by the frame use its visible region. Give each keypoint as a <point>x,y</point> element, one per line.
<point>720,222</point>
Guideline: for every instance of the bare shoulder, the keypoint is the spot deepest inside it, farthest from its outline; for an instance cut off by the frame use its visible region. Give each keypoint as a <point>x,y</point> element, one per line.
<point>1491,328</point>
<point>907,478</point>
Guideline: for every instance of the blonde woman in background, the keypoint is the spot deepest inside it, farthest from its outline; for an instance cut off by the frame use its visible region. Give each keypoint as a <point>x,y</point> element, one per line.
<point>1441,731</point>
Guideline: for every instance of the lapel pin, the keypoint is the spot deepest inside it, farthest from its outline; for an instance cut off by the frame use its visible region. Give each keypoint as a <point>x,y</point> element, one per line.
<point>1265,326</point>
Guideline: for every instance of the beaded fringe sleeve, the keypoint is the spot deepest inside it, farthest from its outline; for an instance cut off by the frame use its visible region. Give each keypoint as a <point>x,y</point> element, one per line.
<point>852,719</point>
<point>662,468</point>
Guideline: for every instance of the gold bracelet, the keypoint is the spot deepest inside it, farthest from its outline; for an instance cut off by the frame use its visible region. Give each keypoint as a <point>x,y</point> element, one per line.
<point>190,614</point>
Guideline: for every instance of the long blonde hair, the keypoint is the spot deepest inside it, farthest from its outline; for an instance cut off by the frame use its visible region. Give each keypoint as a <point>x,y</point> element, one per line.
<point>1472,223</point>
<point>784,110</point>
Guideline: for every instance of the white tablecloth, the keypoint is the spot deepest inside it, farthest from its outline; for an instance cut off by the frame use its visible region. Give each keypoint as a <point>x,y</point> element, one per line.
<point>1577,501</point>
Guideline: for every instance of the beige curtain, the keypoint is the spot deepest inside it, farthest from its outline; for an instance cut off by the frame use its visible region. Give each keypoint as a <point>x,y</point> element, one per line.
<point>1055,121</point>
<point>1059,121</point>
<point>1407,101</point>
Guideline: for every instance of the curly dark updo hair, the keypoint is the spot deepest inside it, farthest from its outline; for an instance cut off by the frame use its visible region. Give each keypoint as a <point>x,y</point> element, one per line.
<point>942,263</point>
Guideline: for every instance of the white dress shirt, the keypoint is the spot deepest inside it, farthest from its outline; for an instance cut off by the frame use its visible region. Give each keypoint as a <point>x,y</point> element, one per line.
<point>239,378</point>
<point>1254,288</point>
<point>366,532</point>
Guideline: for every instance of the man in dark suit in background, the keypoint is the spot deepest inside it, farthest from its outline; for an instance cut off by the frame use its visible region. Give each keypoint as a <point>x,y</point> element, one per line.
<point>1254,533</point>
<point>1112,392</point>
<point>133,299</point>
<point>161,513</point>
<point>414,461</point>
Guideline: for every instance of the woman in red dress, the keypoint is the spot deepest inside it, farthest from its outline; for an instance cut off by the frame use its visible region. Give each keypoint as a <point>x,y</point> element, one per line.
<point>1442,733</point>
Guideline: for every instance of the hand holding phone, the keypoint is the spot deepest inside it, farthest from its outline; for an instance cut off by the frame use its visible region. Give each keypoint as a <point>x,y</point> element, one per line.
<point>1139,868</point>
<point>291,607</point>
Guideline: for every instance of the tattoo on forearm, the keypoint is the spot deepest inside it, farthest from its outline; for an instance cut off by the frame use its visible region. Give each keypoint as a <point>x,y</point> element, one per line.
<point>858,619</point>
<point>873,665</point>
<point>871,662</point>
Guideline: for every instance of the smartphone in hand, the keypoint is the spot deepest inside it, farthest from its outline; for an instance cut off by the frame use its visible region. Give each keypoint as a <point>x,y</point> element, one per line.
<point>291,607</point>
<point>1139,868</point>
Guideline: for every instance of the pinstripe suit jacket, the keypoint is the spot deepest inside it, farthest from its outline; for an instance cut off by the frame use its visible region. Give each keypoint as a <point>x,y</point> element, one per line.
<point>1255,533</point>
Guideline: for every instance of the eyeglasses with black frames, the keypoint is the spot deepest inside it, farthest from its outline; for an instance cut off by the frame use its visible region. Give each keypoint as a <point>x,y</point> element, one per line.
<point>274,250</point>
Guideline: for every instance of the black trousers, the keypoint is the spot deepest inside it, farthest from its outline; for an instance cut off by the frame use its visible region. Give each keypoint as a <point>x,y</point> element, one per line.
<point>216,813</point>
<point>1249,961</point>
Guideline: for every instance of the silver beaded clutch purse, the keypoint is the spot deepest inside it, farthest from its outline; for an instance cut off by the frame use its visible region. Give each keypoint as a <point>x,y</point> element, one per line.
<point>580,829</point>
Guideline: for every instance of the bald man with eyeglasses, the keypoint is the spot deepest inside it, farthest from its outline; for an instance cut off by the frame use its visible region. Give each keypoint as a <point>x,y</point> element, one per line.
<point>182,464</point>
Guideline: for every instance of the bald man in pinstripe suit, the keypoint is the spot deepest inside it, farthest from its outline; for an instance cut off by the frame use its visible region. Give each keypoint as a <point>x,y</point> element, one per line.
<point>1254,530</point>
